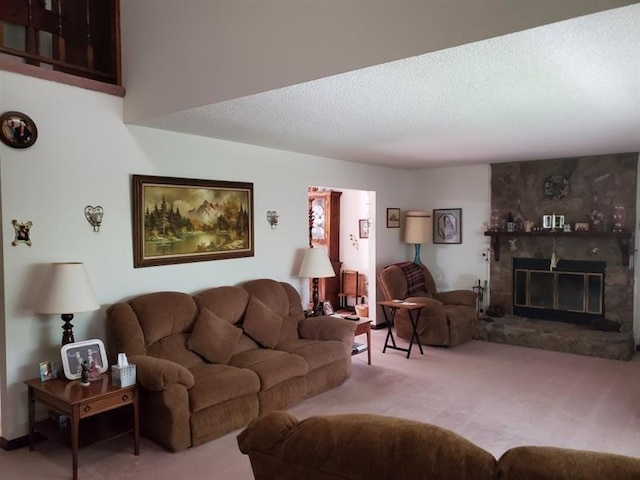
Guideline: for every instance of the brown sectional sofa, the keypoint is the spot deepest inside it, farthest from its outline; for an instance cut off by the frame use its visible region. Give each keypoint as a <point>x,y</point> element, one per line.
<point>209,363</point>
<point>375,447</point>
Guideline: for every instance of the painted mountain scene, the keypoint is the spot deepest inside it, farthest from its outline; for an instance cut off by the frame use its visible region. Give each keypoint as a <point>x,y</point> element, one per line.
<point>183,220</point>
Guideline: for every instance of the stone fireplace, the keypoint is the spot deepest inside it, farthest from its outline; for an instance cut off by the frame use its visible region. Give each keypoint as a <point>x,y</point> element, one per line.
<point>598,196</point>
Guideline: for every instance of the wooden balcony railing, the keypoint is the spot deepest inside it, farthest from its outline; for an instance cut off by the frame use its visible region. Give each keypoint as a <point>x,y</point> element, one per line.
<point>78,37</point>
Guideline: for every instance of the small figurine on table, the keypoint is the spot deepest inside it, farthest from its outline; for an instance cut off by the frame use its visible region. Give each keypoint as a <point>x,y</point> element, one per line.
<point>84,379</point>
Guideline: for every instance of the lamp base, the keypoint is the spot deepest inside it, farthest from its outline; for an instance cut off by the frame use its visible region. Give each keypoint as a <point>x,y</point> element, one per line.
<point>67,334</point>
<point>417,260</point>
<point>315,297</point>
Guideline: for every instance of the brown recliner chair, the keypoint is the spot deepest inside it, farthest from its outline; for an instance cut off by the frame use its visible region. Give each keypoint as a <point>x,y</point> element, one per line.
<point>447,319</point>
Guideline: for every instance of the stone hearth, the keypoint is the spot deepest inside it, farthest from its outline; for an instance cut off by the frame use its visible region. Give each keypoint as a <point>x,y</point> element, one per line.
<point>556,336</point>
<point>522,193</point>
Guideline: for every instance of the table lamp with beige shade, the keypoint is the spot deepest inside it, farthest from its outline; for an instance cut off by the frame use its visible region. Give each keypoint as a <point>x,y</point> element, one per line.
<point>67,291</point>
<point>316,265</point>
<point>417,230</point>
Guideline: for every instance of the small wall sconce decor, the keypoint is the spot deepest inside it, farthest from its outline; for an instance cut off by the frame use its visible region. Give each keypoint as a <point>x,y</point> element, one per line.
<point>272,219</point>
<point>94,216</point>
<point>354,241</point>
<point>22,231</point>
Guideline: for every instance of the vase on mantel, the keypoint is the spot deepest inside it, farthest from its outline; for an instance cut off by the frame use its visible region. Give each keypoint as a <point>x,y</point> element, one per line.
<point>618,217</point>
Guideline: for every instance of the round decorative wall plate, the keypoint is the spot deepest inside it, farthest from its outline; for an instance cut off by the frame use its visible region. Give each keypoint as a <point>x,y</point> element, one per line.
<point>17,130</point>
<point>556,186</point>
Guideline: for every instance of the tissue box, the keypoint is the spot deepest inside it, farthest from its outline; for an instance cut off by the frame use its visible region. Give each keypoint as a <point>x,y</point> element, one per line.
<point>123,376</point>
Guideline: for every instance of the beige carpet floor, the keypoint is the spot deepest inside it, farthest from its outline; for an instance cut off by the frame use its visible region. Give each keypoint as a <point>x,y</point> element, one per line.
<point>498,396</point>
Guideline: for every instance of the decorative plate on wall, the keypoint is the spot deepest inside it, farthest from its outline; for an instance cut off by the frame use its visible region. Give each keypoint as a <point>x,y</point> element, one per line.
<point>556,186</point>
<point>17,130</point>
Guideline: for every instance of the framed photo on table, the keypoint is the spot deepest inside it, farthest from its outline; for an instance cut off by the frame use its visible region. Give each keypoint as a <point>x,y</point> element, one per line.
<point>91,352</point>
<point>447,225</point>
<point>327,308</point>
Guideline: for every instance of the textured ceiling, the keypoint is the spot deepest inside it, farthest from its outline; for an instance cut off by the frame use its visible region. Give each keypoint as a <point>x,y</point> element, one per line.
<point>567,89</point>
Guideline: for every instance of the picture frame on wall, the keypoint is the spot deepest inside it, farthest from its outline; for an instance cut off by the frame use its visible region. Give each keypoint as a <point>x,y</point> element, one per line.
<point>363,228</point>
<point>393,218</point>
<point>181,220</point>
<point>17,130</point>
<point>447,225</point>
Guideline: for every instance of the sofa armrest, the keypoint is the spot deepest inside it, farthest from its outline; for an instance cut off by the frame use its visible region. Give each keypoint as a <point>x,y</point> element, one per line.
<point>457,297</point>
<point>328,328</point>
<point>157,373</point>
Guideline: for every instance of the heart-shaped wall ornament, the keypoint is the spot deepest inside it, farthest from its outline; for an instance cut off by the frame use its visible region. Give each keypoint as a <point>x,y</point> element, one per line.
<point>94,216</point>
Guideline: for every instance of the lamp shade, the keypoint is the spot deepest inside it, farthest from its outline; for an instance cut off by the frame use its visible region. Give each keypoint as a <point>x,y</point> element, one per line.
<point>417,227</point>
<point>68,290</point>
<point>316,264</point>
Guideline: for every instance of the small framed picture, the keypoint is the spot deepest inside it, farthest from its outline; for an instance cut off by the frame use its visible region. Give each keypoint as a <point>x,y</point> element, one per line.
<point>581,226</point>
<point>17,130</point>
<point>364,228</point>
<point>90,353</point>
<point>48,371</point>
<point>327,308</point>
<point>447,225</point>
<point>393,218</point>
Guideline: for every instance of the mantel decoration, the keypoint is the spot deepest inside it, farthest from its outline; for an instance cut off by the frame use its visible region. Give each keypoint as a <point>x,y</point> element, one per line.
<point>180,220</point>
<point>17,130</point>
<point>556,186</point>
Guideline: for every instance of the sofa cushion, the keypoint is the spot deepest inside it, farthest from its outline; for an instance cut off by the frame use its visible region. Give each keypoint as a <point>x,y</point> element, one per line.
<point>219,383</point>
<point>213,338</point>
<point>550,463</point>
<point>317,353</point>
<point>262,324</point>
<point>226,302</point>
<point>174,348</point>
<point>272,366</point>
<point>161,314</point>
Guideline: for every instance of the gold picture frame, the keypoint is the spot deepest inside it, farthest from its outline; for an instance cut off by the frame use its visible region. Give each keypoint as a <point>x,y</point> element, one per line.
<point>180,220</point>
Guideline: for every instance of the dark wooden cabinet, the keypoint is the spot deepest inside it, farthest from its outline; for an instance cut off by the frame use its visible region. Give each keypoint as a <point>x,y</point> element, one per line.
<point>325,232</point>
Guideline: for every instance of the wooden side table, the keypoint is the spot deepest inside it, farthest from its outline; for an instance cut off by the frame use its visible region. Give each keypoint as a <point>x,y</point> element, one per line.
<point>364,326</point>
<point>78,403</point>
<point>389,309</point>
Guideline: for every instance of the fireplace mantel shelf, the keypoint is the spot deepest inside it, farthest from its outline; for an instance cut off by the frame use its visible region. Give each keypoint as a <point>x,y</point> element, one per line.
<point>624,239</point>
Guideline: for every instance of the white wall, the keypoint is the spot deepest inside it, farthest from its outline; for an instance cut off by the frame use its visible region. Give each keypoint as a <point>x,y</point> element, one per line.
<point>85,156</point>
<point>355,251</point>
<point>457,265</point>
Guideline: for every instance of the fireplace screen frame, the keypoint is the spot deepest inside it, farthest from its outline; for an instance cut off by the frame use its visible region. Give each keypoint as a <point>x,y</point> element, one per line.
<point>546,302</point>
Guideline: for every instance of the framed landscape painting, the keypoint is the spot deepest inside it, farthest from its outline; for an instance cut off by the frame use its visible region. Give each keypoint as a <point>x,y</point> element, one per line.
<point>180,220</point>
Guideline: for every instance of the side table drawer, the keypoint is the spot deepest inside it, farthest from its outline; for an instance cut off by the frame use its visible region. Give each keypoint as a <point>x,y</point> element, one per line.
<point>125,397</point>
